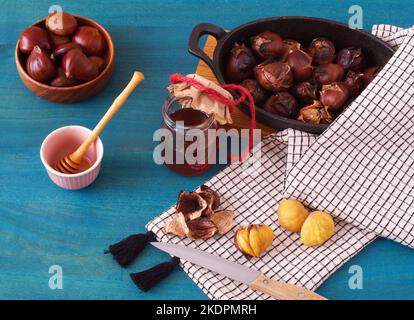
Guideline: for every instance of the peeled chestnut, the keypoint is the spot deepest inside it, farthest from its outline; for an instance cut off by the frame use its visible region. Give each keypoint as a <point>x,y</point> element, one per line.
<point>315,113</point>
<point>322,51</point>
<point>61,23</point>
<point>354,83</point>
<point>60,80</point>
<point>268,45</point>
<point>61,50</point>
<point>241,63</point>
<point>282,104</point>
<point>327,74</point>
<point>77,65</point>
<point>258,93</point>
<point>334,96</point>
<point>370,75</point>
<point>39,66</point>
<point>34,36</point>
<point>305,92</point>
<point>274,75</point>
<point>351,58</point>
<point>100,62</point>
<point>301,64</point>
<point>57,40</point>
<point>90,40</point>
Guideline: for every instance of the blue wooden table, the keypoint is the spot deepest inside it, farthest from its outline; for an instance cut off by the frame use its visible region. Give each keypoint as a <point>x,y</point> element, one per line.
<point>42,225</point>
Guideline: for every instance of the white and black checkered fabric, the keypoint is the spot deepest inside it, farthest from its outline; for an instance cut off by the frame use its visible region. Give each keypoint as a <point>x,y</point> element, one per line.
<point>254,199</point>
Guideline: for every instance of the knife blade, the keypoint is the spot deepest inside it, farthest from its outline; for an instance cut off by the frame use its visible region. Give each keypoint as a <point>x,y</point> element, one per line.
<point>253,278</point>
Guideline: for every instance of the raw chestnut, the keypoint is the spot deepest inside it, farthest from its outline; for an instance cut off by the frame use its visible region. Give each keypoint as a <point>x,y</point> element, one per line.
<point>305,92</point>
<point>90,40</point>
<point>57,40</point>
<point>283,104</point>
<point>34,36</point>
<point>241,63</point>
<point>61,23</point>
<point>274,75</point>
<point>100,62</point>
<point>301,64</point>
<point>39,66</point>
<point>268,45</point>
<point>370,75</point>
<point>315,113</point>
<point>334,96</point>
<point>60,80</point>
<point>289,46</point>
<point>327,74</point>
<point>354,83</point>
<point>77,65</point>
<point>61,50</point>
<point>322,51</point>
<point>258,93</point>
<point>351,58</point>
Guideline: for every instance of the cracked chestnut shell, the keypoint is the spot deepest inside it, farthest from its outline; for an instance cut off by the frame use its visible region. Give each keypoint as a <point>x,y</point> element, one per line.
<point>354,83</point>
<point>258,93</point>
<point>334,96</point>
<point>201,228</point>
<point>327,74</point>
<point>351,58</point>
<point>301,64</point>
<point>315,113</point>
<point>274,75</point>
<point>369,75</point>
<point>282,104</point>
<point>305,92</point>
<point>240,64</point>
<point>322,51</point>
<point>212,199</point>
<point>191,205</point>
<point>268,45</point>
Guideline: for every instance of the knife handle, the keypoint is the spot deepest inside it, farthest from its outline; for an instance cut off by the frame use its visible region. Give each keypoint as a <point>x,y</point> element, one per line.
<point>283,291</point>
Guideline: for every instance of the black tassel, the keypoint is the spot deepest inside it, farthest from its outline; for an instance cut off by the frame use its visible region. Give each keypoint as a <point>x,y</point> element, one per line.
<point>125,251</point>
<point>146,279</point>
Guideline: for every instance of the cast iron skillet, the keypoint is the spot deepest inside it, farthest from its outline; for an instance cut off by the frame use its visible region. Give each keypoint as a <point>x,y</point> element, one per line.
<point>302,29</point>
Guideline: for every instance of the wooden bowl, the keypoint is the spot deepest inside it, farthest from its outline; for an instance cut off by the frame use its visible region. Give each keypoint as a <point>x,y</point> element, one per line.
<point>75,93</point>
<point>302,29</point>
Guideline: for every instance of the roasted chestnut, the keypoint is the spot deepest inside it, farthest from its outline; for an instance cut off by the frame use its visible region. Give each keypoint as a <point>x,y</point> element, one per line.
<point>327,74</point>
<point>258,93</point>
<point>301,64</point>
<point>322,51</point>
<point>351,58</point>
<point>354,83</point>
<point>274,75</point>
<point>334,96</point>
<point>57,40</point>
<point>61,23</point>
<point>370,75</point>
<point>77,65</point>
<point>241,63</point>
<point>60,80</point>
<point>39,66</point>
<point>90,40</point>
<point>305,92</point>
<point>100,62</point>
<point>282,104</point>
<point>34,36</point>
<point>61,50</point>
<point>315,113</point>
<point>268,45</point>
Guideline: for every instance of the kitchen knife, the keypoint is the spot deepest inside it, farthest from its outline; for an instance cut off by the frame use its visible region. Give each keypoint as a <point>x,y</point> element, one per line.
<point>253,278</point>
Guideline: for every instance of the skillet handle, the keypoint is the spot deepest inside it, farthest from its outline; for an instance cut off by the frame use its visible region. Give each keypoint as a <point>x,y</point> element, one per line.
<point>196,34</point>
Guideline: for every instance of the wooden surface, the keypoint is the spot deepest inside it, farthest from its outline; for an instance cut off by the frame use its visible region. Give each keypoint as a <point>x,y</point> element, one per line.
<point>42,225</point>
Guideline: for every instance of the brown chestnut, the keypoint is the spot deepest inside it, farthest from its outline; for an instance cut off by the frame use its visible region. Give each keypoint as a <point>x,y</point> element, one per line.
<point>334,96</point>
<point>60,80</point>
<point>351,58</point>
<point>327,74</point>
<point>100,62</point>
<point>370,75</point>
<point>39,66</point>
<point>77,65</point>
<point>354,83</point>
<point>34,36</point>
<point>305,92</point>
<point>241,63</point>
<point>258,93</point>
<point>274,75</point>
<point>56,40</point>
<point>61,50</point>
<point>268,45</point>
<point>301,64</point>
<point>322,51</point>
<point>90,40</point>
<point>61,23</point>
<point>315,113</point>
<point>282,104</point>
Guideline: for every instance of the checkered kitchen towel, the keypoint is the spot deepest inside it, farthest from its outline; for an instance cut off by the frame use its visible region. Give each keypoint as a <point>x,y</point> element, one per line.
<point>254,198</point>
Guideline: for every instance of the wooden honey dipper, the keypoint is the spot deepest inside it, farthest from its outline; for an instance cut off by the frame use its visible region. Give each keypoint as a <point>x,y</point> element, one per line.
<point>71,163</point>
